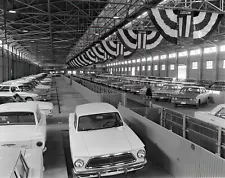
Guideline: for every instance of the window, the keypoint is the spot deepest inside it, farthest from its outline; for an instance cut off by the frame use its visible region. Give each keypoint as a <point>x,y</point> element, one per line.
<point>172,66</point>
<point>195,52</point>
<point>223,66</point>
<point>122,62</point>
<point>138,60</point>
<point>143,59</point>
<point>149,67</point>
<point>129,62</point>
<point>17,118</point>
<point>209,64</point>
<point>194,65</point>
<point>149,58</point>
<point>222,48</point>
<point>138,68</point>
<point>172,55</point>
<point>129,68</point>
<point>163,56</point>
<point>125,69</point>
<point>133,61</point>
<point>210,50</point>
<point>6,88</point>
<point>182,54</point>
<point>143,68</point>
<point>156,58</point>
<point>125,62</point>
<point>122,69</point>
<point>155,67</point>
<point>163,66</point>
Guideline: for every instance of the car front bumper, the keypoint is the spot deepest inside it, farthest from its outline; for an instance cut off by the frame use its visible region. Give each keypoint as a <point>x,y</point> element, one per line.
<point>110,171</point>
<point>184,102</point>
<point>161,97</point>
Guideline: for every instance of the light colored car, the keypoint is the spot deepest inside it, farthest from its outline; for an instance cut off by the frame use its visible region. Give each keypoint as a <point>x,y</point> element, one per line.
<point>22,125</point>
<point>45,107</point>
<point>191,95</point>
<point>215,117</point>
<point>21,163</point>
<point>101,143</point>
<point>15,89</point>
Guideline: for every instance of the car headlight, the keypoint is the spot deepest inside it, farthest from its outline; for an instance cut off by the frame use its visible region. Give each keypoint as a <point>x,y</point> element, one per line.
<point>79,163</point>
<point>174,98</point>
<point>141,154</point>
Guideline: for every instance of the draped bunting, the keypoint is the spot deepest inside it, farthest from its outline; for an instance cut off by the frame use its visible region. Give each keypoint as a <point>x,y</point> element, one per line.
<point>98,52</point>
<point>204,23</point>
<point>141,40</point>
<point>165,20</point>
<point>128,38</point>
<point>185,24</point>
<point>109,47</point>
<point>83,57</point>
<point>153,39</point>
<point>91,56</point>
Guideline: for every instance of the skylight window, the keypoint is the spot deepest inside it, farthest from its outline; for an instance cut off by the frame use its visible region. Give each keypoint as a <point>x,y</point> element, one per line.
<point>210,50</point>
<point>195,52</point>
<point>129,62</point>
<point>182,54</point>
<point>143,59</point>
<point>163,56</point>
<point>133,61</point>
<point>149,58</point>
<point>138,60</point>
<point>172,55</point>
<point>156,58</point>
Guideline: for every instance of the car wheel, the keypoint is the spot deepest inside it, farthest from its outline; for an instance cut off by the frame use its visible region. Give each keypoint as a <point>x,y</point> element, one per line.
<point>207,101</point>
<point>156,99</point>
<point>198,104</point>
<point>175,105</point>
<point>29,99</point>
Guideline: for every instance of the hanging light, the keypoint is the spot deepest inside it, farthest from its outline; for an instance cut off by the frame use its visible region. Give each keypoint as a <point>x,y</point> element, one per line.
<point>12,11</point>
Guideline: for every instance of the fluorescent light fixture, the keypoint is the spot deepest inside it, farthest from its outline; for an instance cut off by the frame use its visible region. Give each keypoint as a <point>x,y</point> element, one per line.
<point>32,41</point>
<point>12,11</point>
<point>25,31</point>
<point>116,17</point>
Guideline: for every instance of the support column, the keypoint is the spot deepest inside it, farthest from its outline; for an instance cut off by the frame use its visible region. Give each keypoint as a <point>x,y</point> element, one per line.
<point>188,65</point>
<point>217,63</point>
<point>201,65</point>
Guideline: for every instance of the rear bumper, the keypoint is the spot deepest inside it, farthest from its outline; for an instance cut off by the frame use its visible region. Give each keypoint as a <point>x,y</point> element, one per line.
<point>110,171</point>
<point>184,102</point>
<point>161,97</point>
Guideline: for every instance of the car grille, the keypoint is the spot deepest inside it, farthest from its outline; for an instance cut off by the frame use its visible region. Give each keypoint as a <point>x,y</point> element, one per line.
<point>111,160</point>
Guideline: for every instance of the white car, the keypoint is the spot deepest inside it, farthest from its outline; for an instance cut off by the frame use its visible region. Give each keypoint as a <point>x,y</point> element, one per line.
<point>45,107</point>
<point>15,89</point>
<point>22,125</point>
<point>21,163</point>
<point>101,143</point>
<point>215,117</point>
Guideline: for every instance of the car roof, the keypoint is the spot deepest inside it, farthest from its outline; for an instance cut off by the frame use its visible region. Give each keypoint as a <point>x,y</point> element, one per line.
<point>18,107</point>
<point>8,157</point>
<point>94,108</point>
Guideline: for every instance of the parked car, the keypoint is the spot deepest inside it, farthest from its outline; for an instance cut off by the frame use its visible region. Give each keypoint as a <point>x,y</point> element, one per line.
<point>15,89</point>
<point>191,95</point>
<point>218,85</point>
<point>215,116</point>
<point>20,163</point>
<point>167,91</point>
<point>22,125</point>
<point>107,146</point>
<point>45,107</point>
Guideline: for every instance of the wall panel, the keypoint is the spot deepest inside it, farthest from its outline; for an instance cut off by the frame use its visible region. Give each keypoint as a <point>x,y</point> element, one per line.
<point>194,73</point>
<point>209,74</point>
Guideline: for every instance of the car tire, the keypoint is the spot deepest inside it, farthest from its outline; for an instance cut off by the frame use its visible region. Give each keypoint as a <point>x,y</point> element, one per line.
<point>156,99</point>
<point>175,105</point>
<point>198,104</point>
<point>29,99</point>
<point>207,101</point>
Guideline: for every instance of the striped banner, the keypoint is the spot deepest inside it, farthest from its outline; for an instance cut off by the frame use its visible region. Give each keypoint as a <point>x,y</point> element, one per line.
<point>185,23</point>
<point>77,62</point>
<point>98,52</point>
<point>166,22</point>
<point>128,38</point>
<point>141,40</point>
<point>90,56</point>
<point>204,23</point>
<point>85,59</point>
<point>73,63</point>
<point>153,39</point>
<point>109,47</point>
<point>119,49</point>
<point>80,61</point>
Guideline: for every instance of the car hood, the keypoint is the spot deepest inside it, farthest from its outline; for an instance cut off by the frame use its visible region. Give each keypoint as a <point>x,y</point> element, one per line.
<point>186,95</point>
<point>43,105</point>
<point>16,132</point>
<point>43,87</point>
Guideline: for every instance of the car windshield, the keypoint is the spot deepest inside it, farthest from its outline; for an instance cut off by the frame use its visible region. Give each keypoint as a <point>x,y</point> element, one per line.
<point>99,121</point>
<point>169,87</point>
<point>6,99</point>
<point>190,90</point>
<point>17,118</point>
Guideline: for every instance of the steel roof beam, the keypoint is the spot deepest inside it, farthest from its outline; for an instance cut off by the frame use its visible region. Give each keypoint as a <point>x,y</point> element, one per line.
<point>50,29</point>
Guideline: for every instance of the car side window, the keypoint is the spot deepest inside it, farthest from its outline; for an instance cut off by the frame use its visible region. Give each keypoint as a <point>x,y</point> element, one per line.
<point>75,120</point>
<point>221,113</point>
<point>5,88</point>
<point>38,115</point>
<point>13,89</point>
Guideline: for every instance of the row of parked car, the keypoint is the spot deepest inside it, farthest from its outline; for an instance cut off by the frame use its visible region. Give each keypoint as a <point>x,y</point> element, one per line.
<point>23,125</point>
<point>177,92</point>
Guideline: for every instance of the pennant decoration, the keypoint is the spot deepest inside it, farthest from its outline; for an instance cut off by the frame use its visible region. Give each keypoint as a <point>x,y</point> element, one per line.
<point>153,39</point>
<point>109,47</point>
<point>165,20</point>
<point>83,57</point>
<point>128,38</point>
<point>141,40</point>
<point>119,49</point>
<point>185,23</point>
<point>98,52</point>
<point>204,23</point>
<point>90,56</point>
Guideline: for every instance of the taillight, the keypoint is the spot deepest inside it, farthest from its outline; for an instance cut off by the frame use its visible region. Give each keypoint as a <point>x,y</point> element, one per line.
<point>39,144</point>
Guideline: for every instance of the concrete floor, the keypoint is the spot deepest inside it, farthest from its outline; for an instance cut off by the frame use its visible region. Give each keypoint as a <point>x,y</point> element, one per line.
<point>57,158</point>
